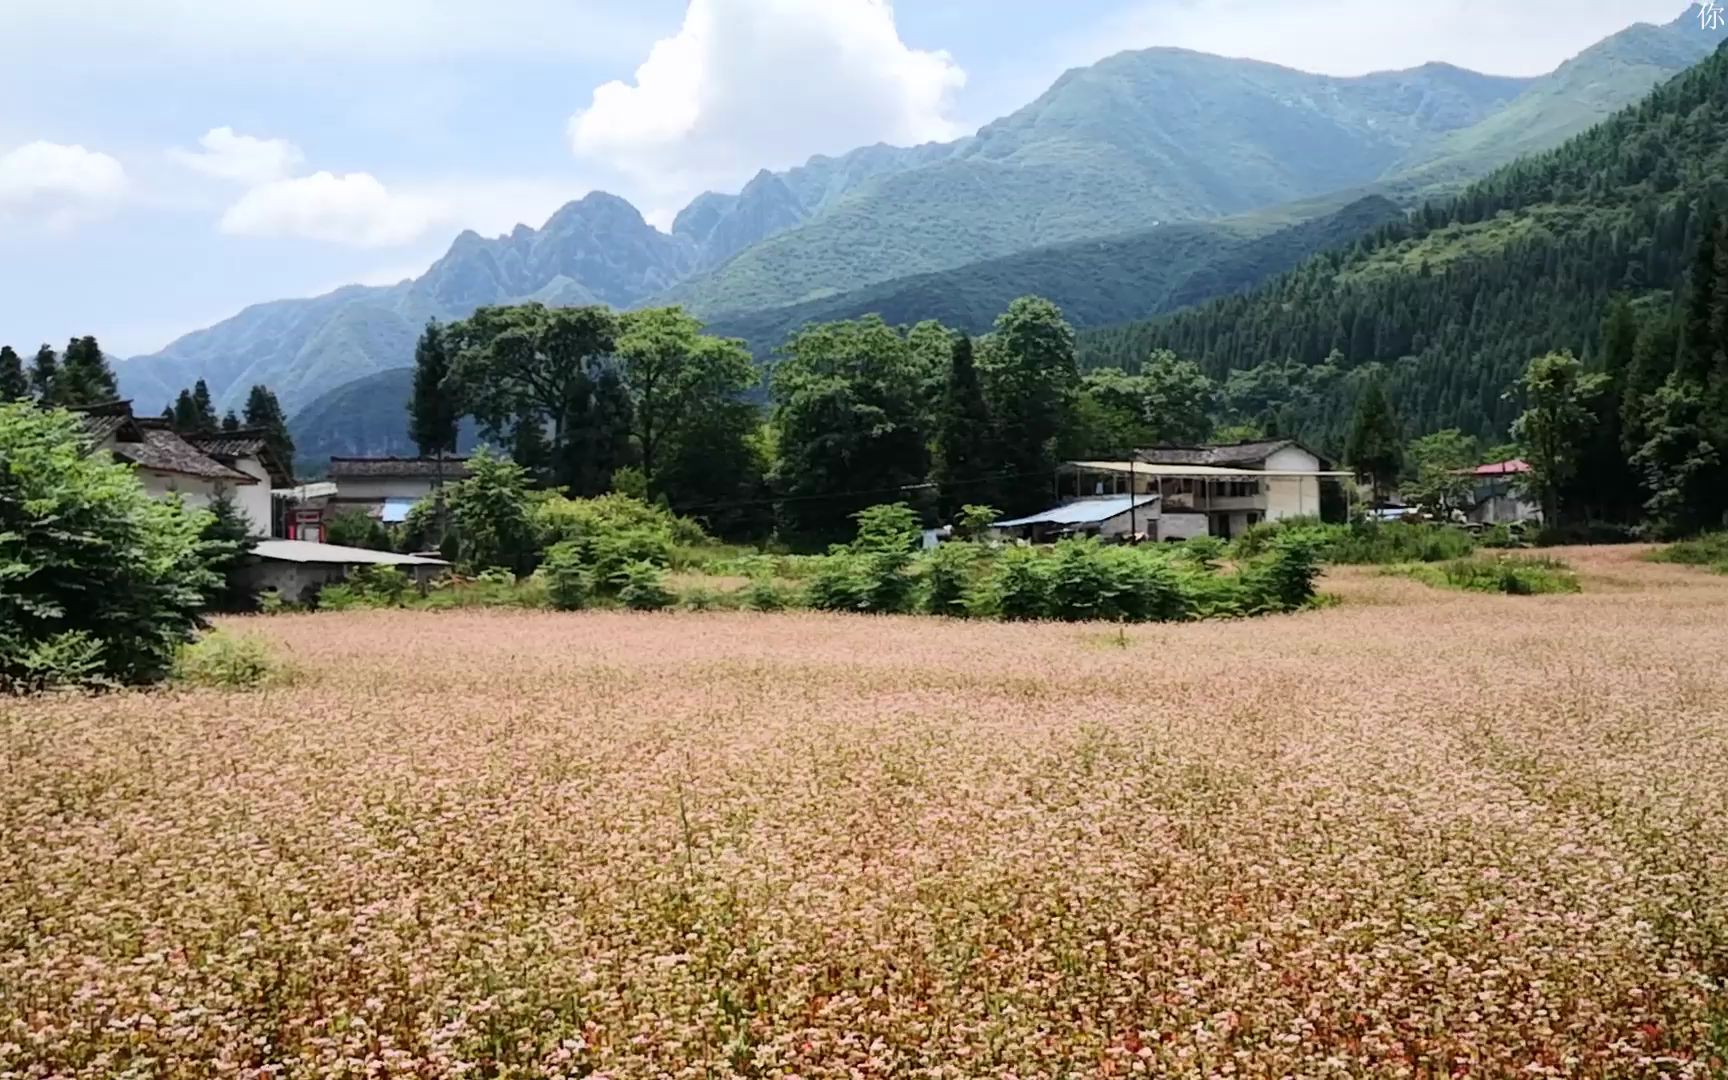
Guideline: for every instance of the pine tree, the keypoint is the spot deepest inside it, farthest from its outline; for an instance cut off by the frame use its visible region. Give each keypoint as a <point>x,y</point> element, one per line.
<point>230,422</point>
<point>204,410</point>
<point>1376,448</point>
<point>185,414</point>
<point>432,410</point>
<point>1604,484</point>
<point>45,377</point>
<point>85,377</point>
<point>965,443</point>
<point>13,385</point>
<point>264,413</point>
<point>1698,338</point>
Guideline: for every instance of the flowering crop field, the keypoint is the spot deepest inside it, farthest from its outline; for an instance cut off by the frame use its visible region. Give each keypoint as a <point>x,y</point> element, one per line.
<point>1420,833</point>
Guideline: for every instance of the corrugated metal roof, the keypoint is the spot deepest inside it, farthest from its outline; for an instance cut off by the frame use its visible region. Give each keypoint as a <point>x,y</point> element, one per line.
<point>1084,512</point>
<point>1140,468</point>
<point>306,551</point>
<point>322,489</point>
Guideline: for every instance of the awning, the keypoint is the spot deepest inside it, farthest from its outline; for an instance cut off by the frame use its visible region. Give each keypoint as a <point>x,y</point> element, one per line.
<point>1083,512</point>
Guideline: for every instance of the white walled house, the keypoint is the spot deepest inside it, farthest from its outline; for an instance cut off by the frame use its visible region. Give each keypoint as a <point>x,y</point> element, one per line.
<point>167,464</point>
<point>1230,488</point>
<point>248,451</point>
<point>370,483</point>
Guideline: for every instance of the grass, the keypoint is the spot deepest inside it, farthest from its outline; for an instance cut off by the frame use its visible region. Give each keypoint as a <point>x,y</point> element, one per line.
<point>1514,575</point>
<point>1709,550</point>
<point>521,843</point>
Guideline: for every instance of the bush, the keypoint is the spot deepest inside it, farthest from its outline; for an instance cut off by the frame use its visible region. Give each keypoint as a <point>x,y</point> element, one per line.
<point>1709,550</point>
<point>381,586</point>
<point>490,512</point>
<point>1019,587</point>
<point>642,587</point>
<point>339,597</point>
<point>948,578</point>
<point>358,529</point>
<point>1513,575</point>
<point>569,581</point>
<point>226,661</point>
<point>99,583</point>
<point>762,594</point>
<point>838,584</point>
<point>1205,552</point>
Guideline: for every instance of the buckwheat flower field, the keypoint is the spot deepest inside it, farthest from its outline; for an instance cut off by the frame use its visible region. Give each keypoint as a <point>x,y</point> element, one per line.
<point>1420,833</point>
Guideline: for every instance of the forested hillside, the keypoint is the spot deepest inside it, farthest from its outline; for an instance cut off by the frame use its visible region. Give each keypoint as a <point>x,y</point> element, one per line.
<point>1096,282</point>
<point>1456,301</point>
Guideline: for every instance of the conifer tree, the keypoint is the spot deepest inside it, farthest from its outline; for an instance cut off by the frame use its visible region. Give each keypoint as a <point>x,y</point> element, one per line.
<point>13,385</point>
<point>965,443</point>
<point>264,413</point>
<point>1375,449</point>
<point>45,377</point>
<point>432,410</point>
<point>85,377</point>
<point>204,410</point>
<point>230,422</point>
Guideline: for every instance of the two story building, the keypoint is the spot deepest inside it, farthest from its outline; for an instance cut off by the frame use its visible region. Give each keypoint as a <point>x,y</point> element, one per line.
<point>1215,490</point>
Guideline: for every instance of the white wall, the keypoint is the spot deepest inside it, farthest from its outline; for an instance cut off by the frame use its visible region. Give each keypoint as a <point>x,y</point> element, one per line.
<point>254,499</point>
<point>1290,496</point>
<point>379,488</point>
<point>1178,526</point>
<point>194,491</point>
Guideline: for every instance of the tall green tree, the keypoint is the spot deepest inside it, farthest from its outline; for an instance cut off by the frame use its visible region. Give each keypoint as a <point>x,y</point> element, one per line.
<point>14,385</point>
<point>1604,487</point>
<point>1375,449</point>
<point>85,377</point>
<point>264,413</point>
<point>1440,462</point>
<point>529,370</point>
<point>847,409</point>
<point>1030,381</point>
<point>1559,401</point>
<point>230,422</point>
<point>203,409</point>
<point>492,518</point>
<point>675,377</point>
<point>433,410</point>
<point>184,413</point>
<point>966,454</point>
<point>45,377</point>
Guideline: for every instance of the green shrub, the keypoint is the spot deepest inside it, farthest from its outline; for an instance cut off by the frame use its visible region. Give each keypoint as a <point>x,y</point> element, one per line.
<point>948,574</point>
<point>1513,575</point>
<point>1285,580</point>
<point>1018,588</point>
<point>99,583</point>
<point>569,580</point>
<point>642,587</point>
<point>1149,588</point>
<point>762,594</point>
<point>270,602</point>
<point>358,529</point>
<point>226,661</point>
<point>381,586</point>
<point>1082,586</point>
<point>838,584</point>
<point>490,512</point>
<point>1710,550</point>
<point>340,597</point>
<point>1206,552</point>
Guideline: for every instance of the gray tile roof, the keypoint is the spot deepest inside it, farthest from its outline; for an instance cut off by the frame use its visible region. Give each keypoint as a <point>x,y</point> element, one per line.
<point>164,451</point>
<point>1231,455</point>
<point>454,468</point>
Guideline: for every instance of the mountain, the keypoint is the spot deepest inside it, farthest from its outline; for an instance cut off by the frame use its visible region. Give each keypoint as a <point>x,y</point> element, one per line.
<point>1135,140</point>
<point>1454,302</point>
<point>1579,93</point>
<point>1096,282</point>
<point>595,250</point>
<point>1138,142</point>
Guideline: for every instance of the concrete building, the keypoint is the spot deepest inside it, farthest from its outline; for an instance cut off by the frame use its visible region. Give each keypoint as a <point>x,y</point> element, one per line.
<point>297,569</point>
<point>1230,488</point>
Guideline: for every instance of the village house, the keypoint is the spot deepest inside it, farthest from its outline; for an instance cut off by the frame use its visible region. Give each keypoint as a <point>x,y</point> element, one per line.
<point>198,470</point>
<point>298,569</point>
<point>388,487</point>
<point>1218,490</point>
<point>1498,497</point>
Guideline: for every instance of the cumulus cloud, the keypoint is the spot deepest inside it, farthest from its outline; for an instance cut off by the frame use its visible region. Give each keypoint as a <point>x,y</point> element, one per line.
<point>750,83</point>
<point>359,210</point>
<point>354,208</point>
<point>58,185</point>
<point>242,158</point>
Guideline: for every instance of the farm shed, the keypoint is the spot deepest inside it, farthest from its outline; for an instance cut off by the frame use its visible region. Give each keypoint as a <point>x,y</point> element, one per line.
<point>297,569</point>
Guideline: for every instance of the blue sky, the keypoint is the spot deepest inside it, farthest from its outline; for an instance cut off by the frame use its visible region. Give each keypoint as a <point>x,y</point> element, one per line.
<point>164,163</point>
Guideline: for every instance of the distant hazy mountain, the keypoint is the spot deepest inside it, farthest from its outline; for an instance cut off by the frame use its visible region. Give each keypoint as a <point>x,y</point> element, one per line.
<point>1139,141</point>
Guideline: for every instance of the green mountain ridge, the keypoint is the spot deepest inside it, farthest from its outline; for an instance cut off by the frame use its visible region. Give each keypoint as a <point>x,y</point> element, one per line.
<point>1453,303</point>
<point>1107,151</point>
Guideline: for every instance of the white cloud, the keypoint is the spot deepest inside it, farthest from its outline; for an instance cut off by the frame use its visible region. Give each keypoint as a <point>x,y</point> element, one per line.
<point>354,208</point>
<point>243,158</point>
<point>359,210</point>
<point>58,185</point>
<point>751,83</point>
